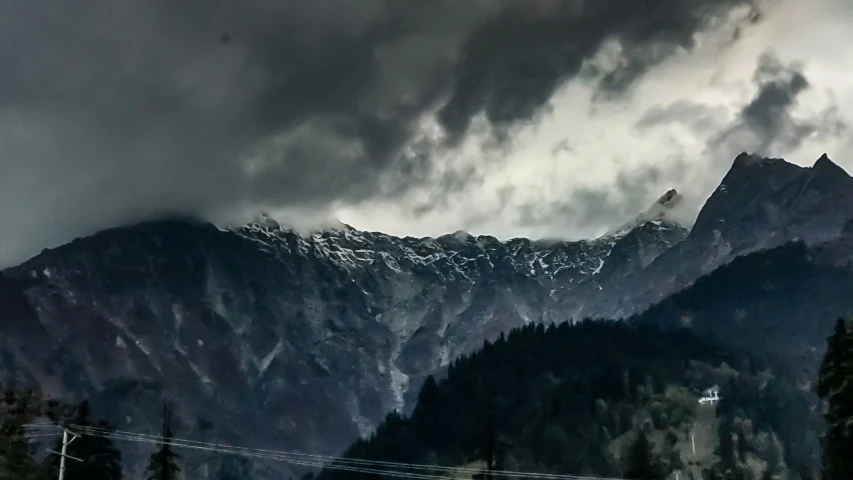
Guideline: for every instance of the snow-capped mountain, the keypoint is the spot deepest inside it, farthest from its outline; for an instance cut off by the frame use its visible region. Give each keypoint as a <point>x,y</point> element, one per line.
<point>661,212</point>
<point>310,340</point>
<point>262,336</point>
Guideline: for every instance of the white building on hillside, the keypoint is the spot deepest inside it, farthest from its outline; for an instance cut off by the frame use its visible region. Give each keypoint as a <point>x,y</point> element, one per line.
<point>710,396</point>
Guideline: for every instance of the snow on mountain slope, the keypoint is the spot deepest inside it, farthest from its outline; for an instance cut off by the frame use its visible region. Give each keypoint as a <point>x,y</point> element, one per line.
<point>324,333</point>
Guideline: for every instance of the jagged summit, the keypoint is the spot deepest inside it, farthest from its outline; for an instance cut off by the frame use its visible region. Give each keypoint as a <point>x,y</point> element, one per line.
<point>660,212</point>
<point>773,172</point>
<point>825,166</point>
<point>760,191</point>
<point>750,172</point>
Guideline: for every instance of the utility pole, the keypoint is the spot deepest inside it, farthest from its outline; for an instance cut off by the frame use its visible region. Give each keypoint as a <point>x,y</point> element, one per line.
<point>65,443</point>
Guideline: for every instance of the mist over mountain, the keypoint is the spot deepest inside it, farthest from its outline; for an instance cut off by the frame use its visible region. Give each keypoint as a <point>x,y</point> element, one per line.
<point>261,336</point>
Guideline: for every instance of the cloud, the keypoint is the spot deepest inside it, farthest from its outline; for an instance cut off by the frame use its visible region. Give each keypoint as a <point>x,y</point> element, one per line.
<point>699,118</point>
<point>515,63</point>
<point>596,207</point>
<point>679,125</point>
<point>113,112</point>
<point>766,125</point>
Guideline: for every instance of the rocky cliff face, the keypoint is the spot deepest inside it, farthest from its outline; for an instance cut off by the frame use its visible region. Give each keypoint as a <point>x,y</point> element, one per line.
<point>268,338</point>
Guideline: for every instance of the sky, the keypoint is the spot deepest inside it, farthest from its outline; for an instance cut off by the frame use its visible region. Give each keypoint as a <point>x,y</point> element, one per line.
<point>536,118</point>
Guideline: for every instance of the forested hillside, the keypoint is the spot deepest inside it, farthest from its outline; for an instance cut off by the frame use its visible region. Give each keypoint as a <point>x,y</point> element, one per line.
<point>780,301</point>
<point>577,398</point>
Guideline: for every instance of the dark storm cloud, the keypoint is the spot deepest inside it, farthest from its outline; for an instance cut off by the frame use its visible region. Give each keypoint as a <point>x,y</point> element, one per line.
<point>514,63</point>
<point>115,111</point>
<point>765,125</point>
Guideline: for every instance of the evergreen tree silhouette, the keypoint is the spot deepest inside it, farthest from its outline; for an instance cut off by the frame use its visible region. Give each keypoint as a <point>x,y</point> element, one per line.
<point>641,462</point>
<point>427,412</point>
<point>835,388</point>
<point>17,409</point>
<point>162,465</point>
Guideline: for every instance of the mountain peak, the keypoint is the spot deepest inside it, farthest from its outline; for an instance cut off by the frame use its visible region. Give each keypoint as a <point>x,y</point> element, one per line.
<point>750,170</point>
<point>670,199</point>
<point>827,177</point>
<point>745,160</point>
<point>824,165</point>
<point>759,190</point>
<point>660,211</point>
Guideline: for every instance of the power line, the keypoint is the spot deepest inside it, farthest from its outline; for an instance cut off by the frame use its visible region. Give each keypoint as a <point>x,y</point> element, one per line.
<point>41,435</point>
<point>232,451</point>
<point>334,463</point>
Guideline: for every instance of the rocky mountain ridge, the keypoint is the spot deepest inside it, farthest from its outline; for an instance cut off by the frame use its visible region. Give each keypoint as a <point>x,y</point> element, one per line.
<point>310,340</point>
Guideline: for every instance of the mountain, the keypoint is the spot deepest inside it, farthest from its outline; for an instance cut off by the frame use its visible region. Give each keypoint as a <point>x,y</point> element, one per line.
<point>544,407</point>
<point>261,336</point>
<point>761,203</point>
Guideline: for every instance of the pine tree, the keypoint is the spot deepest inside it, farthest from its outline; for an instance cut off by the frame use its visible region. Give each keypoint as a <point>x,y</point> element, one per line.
<point>162,464</point>
<point>428,411</point>
<point>100,459</point>
<point>832,372</point>
<point>835,388</point>
<point>641,462</point>
<point>17,409</point>
<point>726,447</point>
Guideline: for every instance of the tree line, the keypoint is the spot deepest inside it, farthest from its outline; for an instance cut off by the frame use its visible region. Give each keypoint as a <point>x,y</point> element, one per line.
<point>27,418</point>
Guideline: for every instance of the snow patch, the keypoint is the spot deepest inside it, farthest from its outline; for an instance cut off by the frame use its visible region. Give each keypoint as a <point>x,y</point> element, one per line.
<point>598,268</point>
<point>399,385</point>
<point>204,378</point>
<point>444,356</point>
<point>365,426</point>
<point>267,360</point>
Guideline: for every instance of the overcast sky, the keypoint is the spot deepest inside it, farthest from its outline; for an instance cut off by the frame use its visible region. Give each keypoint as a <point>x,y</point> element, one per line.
<point>542,118</point>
